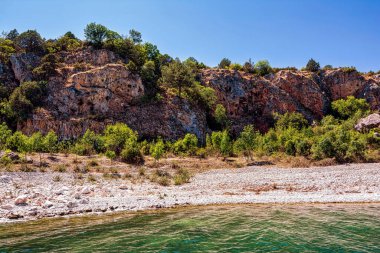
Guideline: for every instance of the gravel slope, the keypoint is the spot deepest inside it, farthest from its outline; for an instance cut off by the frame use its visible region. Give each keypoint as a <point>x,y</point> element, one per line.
<point>40,195</point>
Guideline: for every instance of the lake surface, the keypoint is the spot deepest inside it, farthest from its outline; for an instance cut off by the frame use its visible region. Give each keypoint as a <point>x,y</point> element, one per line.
<point>241,228</point>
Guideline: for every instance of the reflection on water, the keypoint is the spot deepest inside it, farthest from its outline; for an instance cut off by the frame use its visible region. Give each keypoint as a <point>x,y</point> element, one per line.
<point>242,228</point>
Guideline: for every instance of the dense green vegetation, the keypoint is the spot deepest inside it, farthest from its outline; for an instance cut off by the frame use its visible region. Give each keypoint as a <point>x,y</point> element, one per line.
<point>332,137</point>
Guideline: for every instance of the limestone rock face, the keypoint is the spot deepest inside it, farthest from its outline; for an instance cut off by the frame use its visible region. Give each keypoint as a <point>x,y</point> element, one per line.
<point>104,90</point>
<point>91,57</point>
<point>252,99</point>
<point>371,92</point>
<point>304,88</point>
<point>342,83</point>
<point>93,88</point>
<point>23,64</point>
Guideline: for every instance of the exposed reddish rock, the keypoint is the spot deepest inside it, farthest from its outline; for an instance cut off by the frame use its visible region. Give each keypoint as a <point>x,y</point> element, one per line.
<point>93,88</point>
<point>303,87</point>
<point>342,83</point>
<point>251,99</point>
<point>90,56</point>
<point>104,90</point>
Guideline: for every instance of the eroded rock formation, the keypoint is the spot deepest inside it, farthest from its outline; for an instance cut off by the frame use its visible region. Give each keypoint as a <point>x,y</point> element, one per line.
<point>93,88</point>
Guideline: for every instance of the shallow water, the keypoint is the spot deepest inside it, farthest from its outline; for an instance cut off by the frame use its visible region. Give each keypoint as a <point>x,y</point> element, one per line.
<point>241,228</point>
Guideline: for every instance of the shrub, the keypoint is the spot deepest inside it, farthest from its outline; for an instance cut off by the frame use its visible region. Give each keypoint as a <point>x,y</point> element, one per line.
<point>246,141</point>
<point>96,34</point>
<point>17,142</point>
<point>312,66</point>
<point>131,154</point>
<point>158,149</point>
<point>182,176</point>
<point>224,63</point>
<point>226,144</point>
<point>290,119</point>
<point>50,142</point>
<point>249,66</point>
<point>110,155</point>
<point>263,68</point>
<point>347,108</point>
<point>188,145</point>
<point>236,66</point>
<point>5,134</point>
<point>6,49</point>
<point>47,68</point>
<point>60,168</point>
<point>220,115</point>
<point>177,75</point>
<point>30,41</point>
<point>116,136</point>
<point>202,95</point>
<point>25,97</point>
<point>341,144</point>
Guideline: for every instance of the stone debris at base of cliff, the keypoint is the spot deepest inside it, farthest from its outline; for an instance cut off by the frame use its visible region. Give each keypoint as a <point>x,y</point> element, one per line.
<point>33,195</point>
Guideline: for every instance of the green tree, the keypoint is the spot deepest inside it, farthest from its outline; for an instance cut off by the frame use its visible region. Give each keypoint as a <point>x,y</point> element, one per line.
<point>188,145</point>
<point>96,34</point>
<point>246,141</point>
<point>68,42</point>
<point>220,115</point>
<point>249,66</point>
<point>135,36</point>
<point>50,142</point>
<point>131,152</point>
<point>226,144</point>
<point>117,135</point>
<point>25,97</point>
<point>36,144</point>
<point>30,41</point>
<point>6,49</point>
<point>17,142</point>
<point>224,63</point>
<point>12,34</point>
<point>47,68</point>
<point>312,66</point>
<point>263,68</point>
<point>158,149</point>
<point>5,134</point>
<point>152,52</point>
<point>177,75</point>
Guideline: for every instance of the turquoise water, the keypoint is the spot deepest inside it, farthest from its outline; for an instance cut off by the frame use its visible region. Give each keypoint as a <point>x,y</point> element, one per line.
<point>242,228</point>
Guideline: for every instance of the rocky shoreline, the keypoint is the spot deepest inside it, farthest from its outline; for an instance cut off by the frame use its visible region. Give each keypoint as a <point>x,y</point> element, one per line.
<point>34,195</point>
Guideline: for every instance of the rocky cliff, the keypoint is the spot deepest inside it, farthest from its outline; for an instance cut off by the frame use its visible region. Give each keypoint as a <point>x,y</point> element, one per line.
<point>250,99</point>
<point>94,88</point>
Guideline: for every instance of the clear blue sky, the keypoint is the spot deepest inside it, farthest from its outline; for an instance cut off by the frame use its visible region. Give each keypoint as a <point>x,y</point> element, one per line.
<point>286,32</point>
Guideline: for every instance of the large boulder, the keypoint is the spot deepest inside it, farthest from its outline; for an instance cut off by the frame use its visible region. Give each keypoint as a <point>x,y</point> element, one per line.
<point>23,64</point>
<point>369,122</point>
